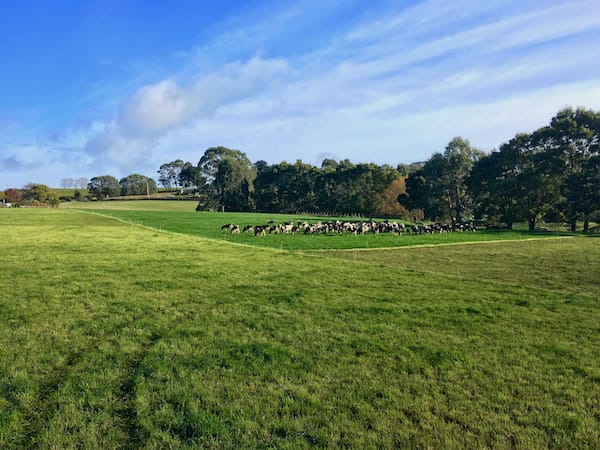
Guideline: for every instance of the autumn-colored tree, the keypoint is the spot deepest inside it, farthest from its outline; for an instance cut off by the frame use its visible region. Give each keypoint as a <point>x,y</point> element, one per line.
<point>391,207</point>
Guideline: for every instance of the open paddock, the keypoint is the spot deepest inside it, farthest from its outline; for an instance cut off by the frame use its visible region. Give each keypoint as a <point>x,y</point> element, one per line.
<point>210,224</point>
<point>114,335</point>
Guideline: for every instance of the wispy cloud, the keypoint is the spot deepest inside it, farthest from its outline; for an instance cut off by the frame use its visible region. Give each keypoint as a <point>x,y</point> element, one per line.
<point>145,119</point>
<point>394,84</point>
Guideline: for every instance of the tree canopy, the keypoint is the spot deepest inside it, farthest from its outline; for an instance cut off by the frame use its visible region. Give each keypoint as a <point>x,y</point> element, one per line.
<point>552,172</point>
<point>104,187</point>
<point>136,184</point>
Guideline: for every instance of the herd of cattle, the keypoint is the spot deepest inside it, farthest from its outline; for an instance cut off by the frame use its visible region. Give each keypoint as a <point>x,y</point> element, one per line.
<point>338,226</point>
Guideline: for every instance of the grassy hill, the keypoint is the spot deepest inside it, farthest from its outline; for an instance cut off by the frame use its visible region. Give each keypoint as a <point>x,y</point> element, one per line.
<point>114,335</point>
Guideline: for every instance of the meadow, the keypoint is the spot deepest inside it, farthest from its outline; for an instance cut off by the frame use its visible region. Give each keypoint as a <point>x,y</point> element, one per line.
<point>181,217</point>
<point>131,328</point>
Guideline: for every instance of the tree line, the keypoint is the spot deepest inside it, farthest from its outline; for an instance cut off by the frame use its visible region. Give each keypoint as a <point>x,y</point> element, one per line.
<point>226,180</point>
<point>552,173</point>
<point>105,187</point>
<point>30,195</point>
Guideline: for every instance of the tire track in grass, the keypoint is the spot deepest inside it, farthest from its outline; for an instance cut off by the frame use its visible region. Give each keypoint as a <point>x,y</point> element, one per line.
<point>41,415</point>
<point>43,412</point>
<point>128,412</point>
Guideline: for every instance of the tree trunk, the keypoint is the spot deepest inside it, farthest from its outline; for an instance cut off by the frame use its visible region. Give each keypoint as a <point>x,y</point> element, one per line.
<point>586,225</point>
<point>531,222</point>
<point>573,224</point>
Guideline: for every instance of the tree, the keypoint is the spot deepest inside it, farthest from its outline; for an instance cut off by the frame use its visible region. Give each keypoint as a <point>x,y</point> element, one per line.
<point>391,206</point>
<point>136,184</point>
<point>459,158</point>
<point>226,178</point>
<point>41,194</point>
<point>266,192</point>
<point>494,183</point>
<point>537,177</point>
<point>81,183</point>
<point>13,195</point>
<point>521,181</point>
<point>104,187</point>
<point>189,176</point>
<point>67,182</point>
<point>574,138</point>
<point>591,180</point>
<point>286,187</point>
<point>169,173</point>
<point>440,186</point>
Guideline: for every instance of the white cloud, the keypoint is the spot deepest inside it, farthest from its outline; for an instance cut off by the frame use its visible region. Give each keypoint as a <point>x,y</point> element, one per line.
<point>154,109</point>
<point>157,108</point>
<point>392,88</point>
<point>132,140</point>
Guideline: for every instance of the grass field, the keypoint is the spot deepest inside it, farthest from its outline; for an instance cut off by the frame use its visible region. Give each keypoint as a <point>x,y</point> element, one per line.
<point>180,217</point>
<point>119,336</point>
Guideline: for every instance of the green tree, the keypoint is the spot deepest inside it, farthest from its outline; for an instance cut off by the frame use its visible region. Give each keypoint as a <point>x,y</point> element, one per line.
<point>226,179</point>
<point>574,137</point>
<point>440,186</point>
<point>40,193</point>
<point>285,187</point>
<point>136,184</point>
<point>538,176</point>
<point>494,183</point>
<point>189,176</point>
<point>265,187</point>
<point>520,181</point>
<point>169,173</point>
<point>104,187</point>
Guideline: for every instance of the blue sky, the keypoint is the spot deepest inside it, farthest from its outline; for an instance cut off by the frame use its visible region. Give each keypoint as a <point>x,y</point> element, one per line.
<point>122,86</point>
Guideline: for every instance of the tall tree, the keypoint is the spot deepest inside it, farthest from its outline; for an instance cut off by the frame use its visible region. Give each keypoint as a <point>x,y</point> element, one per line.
<point>520,181</point>
<point>574,137</point>
<point>103,187</point>
<point>265,187</point>
<point>40,193</point>
<point>169,173</point>
<point>391,207</point>
<point>188,176</point>
<point>228,176</point>
<point>286,187</point>
<point>493,182</point>
<point>136,184</point>
<point>440,187</point>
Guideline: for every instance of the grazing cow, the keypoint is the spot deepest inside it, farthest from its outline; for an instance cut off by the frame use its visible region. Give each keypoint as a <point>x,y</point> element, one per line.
<point>260,230</point>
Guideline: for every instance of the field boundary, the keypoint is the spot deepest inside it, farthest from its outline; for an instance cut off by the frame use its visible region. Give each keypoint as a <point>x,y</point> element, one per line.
<point>447,244</point>
<point>309,251</point>
<point>191,236</point>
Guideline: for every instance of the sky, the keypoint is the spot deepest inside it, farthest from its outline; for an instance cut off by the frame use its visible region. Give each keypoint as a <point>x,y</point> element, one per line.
<point>115,87</point>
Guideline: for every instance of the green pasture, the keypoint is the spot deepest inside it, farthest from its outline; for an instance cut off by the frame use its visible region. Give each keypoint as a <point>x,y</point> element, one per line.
<point>181,217</point>
<point>115,335</point>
